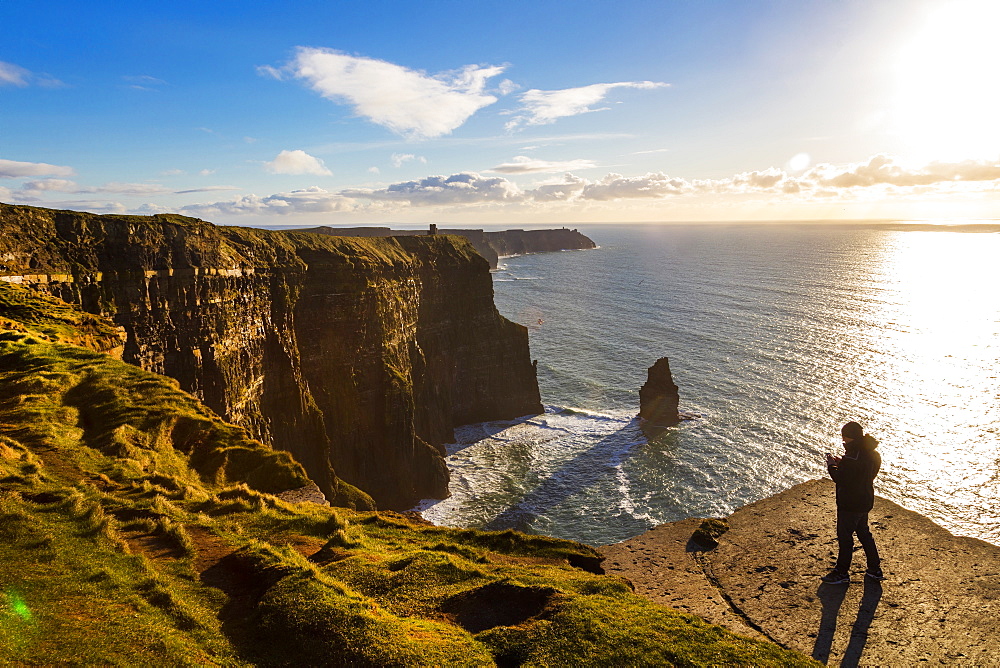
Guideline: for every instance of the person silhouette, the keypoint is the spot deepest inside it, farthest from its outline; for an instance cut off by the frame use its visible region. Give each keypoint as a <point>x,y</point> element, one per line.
<point>854,473</point>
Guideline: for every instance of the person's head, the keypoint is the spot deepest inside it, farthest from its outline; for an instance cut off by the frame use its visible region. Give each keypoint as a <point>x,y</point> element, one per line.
<point>851,432</point>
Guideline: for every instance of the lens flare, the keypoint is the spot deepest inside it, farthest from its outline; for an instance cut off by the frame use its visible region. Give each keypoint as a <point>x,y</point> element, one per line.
<point>19,606</point>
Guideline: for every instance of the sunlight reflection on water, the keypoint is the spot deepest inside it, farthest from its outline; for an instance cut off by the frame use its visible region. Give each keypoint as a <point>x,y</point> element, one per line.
<point>936,334</point>
<point>777,335</point>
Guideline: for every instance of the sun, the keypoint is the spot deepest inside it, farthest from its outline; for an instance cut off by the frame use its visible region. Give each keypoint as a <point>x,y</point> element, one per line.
<point>947,99</point>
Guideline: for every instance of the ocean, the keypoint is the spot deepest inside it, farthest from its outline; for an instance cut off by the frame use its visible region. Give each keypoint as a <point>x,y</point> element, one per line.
<point>777,334</point>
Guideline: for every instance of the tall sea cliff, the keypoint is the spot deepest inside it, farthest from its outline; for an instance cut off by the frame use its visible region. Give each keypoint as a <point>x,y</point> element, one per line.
<point>491,245</point>
<point>358,356</point>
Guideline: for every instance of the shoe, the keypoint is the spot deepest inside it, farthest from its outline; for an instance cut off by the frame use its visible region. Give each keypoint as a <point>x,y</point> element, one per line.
<point>836,577</point>
<point>874,574</point>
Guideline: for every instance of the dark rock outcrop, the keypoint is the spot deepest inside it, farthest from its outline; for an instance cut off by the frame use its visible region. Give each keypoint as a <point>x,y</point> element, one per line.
<point>658,397</point>
<point>355,355</point>
<point>939,604</point>
<point>491,245</point>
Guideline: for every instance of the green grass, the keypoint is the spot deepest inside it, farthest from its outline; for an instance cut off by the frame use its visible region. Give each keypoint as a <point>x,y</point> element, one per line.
<point>51,319</point>
<point>137,528</point>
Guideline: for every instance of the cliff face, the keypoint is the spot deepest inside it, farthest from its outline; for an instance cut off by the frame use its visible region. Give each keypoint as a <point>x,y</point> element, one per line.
<point>355,355</point>
<point>520,242</point>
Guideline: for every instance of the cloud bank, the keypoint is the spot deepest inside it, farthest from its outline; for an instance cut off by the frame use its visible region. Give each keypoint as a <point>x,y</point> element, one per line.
<point>880,174</point>
<point>463,188</point>
<point>880,177</point>
<point>307,200</point>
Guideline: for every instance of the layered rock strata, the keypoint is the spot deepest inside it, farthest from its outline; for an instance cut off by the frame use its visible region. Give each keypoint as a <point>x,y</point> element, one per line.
<point>491,245</point>
<point>355,355</point>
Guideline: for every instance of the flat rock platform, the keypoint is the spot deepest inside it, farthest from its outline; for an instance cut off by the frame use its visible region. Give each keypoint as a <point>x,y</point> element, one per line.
<point>939,604</point>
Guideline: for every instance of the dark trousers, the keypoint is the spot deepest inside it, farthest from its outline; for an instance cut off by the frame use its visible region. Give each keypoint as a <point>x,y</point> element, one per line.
<point>849,524</point>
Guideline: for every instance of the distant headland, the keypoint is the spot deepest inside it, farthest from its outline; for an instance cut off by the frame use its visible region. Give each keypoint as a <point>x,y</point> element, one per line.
<point>491,245</point>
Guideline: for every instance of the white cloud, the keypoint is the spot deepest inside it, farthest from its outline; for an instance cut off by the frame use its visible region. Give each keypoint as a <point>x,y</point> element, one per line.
<point>206,189</point>
<point>269,71</point>
<point>12,169</point>
<point>144,82</point>
<point>297,162</point>
<point>406,101</point>
<point>152,208</point>
<point>34,190</point>
<point>759,179</point>
<point>884,170</point>
<point>525,165</point>
<point>50,185</point>
<point>507,87</point>
<point>616,186</point>
<point>308,200</point>
<point>463,188</point>
<point>13,75</point>
<point>398,159</point>
<point>172,172</point>
<point>128,189</point>
<point>541,107</point>
<point>206,172</point>
<point>374,170</point>
<point>569,188</point>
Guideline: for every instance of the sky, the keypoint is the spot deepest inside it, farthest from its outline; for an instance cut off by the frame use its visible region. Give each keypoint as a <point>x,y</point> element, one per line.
<point>304,113</point>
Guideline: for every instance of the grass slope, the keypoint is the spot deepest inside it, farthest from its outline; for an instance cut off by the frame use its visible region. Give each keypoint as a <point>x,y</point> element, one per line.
<point>136,528</point>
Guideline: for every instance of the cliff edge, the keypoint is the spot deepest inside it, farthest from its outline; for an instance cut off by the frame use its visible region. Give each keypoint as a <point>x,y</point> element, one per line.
<point>939,603</point>
<point>137,528</point>
<point>358,356</point>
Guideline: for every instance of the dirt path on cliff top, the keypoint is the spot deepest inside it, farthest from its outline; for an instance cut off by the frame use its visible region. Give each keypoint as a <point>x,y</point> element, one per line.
<point>940,602</point>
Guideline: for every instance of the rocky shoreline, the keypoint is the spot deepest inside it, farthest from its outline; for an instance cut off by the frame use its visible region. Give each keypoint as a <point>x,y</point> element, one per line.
<point>939,603</point>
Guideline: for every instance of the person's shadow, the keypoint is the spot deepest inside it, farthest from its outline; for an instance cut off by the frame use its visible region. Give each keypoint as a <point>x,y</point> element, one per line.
<point>859,632</point>
<point>832,598</point>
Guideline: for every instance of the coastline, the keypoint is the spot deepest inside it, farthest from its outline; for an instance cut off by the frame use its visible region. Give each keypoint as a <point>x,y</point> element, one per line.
<point>939,602</point>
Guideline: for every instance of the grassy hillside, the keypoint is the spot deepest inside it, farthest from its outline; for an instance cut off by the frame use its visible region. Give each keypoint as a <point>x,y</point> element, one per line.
<point>137,528</point>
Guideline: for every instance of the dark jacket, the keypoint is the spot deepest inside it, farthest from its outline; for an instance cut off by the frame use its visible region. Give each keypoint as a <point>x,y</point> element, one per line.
<point>854,475</point>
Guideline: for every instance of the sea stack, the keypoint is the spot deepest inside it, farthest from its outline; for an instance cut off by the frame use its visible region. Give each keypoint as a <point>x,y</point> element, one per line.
<point>658,398</point>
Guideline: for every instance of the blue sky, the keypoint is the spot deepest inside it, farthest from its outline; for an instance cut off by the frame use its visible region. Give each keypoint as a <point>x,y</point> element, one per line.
<point>349,112</point>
